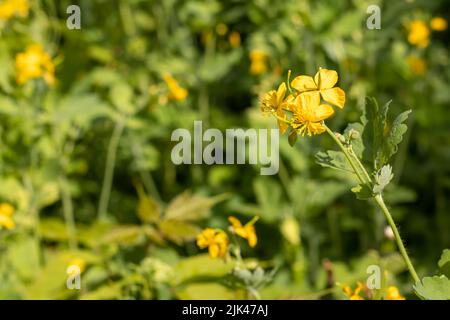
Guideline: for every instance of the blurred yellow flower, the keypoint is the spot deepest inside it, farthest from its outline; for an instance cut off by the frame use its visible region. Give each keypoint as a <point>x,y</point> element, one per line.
<point>34,63</point>
<point>215,240</point>
<point>258,61</point>
<point>417,65</point>
<point>322,84</point>
<point>308,114</point>
<point>438,24</point>
<point>80,263</point>
<point>235,39</point>
<point>10,8</point>
<point>221,29</point>
<point>418,33</point>
<point>353,295</point>
<point>392,293</point>
<point>176,92</point>
<point>246,231</point>
<point>6,212</point>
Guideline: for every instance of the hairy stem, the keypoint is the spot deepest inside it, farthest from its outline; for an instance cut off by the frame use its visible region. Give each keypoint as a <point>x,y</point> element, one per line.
<point>365,179</point>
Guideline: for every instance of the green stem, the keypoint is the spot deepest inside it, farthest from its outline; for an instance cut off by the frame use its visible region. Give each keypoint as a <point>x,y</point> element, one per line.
<point>345,151</point>
<point>350,155</point>
<point>68,212</point>
<point>379,199</point>
<point>109,169</point>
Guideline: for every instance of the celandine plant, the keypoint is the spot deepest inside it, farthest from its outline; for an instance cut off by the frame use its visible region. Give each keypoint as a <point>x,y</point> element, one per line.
<point>301,108</point>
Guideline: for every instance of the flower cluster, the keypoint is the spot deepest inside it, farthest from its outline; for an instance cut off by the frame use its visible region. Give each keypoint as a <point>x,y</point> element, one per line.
<point>35,63</point>
<point>305,103</point>
<point>419,32</point>
<point>10,8</point>
<point>176,91</point>
<point>258,61</point>
<point>391,292</point>
<point>6,212</point>
<point>217,241</point>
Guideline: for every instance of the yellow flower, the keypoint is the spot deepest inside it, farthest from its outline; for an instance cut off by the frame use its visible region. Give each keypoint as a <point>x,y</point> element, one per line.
<point>392,293</point>
<point>246,231</point>
<point>176,92</point>
<point>6,212</point>
<point>417,65</point>
<point>235,39</point>
<point>215,240</point>
<point>418,34</point>
<point>308,114</point>
<point>9,8</point>
<point>258,62</point>
<point>34,63</point>
<point>80,263</point>
<point>438,24</point>
<point>353,295</point>
<point>274,102</point>
<point>322,84</point>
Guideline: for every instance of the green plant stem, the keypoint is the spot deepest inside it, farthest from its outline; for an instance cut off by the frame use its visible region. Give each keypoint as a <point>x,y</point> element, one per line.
<point>109,169</point>
<point>351,156</point>
<point>346,153</point>
<point>379,199</point>
<point>68,212</point>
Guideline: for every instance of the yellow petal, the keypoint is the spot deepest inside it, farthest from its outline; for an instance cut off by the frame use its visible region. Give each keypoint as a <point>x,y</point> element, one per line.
<point>335,96</point>
<point>7,222</point>
<point>303,83</point>
<point>252,239</point>
<point>281,124</point>
<point>235,223</point>
<point>6,209</point>
<point>326,79</point>
<point>280,93</point>
<point>309,100</point>
<point>322,112</point>
<point>214,250</point>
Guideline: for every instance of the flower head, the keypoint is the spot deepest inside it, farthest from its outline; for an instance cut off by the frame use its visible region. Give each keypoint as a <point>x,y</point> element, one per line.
<point>6,212</point>
<point>176,92</point>
<point>322,84</point>
<point>438,24</point>
<point>258,62</point>
<point>392,293</point>
<point>353,294</point>
<point>215,240</point>
<point>309,114</point>
<point>417,65</point>
<point>418,33</point>
<point>246,231</point>
<point>274,102</point>
<point>34,63</point>
<point>235,39</point>
<point>10,8</point>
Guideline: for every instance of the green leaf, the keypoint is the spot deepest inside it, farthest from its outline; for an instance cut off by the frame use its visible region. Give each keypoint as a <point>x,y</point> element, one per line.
<point>191,207</point>
<point>381,138</point>
<point>382,178</point>
<point>433,288</point>
<point>395,135</point>
<point>148,210</point>
<point>333,159</point>
<point>444,263</point>
<point>205,291</point>
<point>374,121</point>
<point>179,231</point>
<point>362,192</point>
<point>200,267</point>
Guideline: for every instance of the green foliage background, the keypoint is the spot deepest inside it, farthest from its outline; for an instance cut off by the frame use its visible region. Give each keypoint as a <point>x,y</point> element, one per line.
<point>54,144</point>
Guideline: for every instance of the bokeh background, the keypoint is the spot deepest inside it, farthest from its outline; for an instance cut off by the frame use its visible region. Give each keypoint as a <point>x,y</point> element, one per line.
<point>85,142</point>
